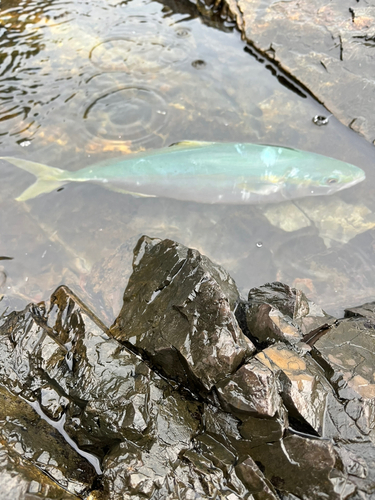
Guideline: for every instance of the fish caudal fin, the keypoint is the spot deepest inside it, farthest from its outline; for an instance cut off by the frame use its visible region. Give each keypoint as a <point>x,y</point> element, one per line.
<point>48,178</point>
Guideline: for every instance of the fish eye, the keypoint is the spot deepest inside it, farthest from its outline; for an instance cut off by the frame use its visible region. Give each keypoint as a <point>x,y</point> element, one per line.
<point>332,180</point>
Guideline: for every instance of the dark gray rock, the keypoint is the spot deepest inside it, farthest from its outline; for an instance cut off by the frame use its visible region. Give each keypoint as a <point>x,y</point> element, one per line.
<point>347,351</point>
<point>256,483</point>
<point>327,47</point>
<point>302,386</point>
<point>37,451</point>
<point>253,389</point>
<point>292,420</point>
<point>307,468</point>
<point>20,480</point>
<point>276,312</point>
<point>366,311</point>
<point>178,312</point>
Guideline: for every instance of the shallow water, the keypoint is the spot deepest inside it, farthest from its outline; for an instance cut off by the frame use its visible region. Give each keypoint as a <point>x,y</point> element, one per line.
<point>81,82</point>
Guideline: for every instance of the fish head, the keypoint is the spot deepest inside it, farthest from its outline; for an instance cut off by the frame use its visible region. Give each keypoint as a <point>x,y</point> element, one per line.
<point>321,176</point>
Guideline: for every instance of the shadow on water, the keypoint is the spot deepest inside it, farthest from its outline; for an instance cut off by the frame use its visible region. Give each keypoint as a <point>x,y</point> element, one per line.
<point>80,84</point>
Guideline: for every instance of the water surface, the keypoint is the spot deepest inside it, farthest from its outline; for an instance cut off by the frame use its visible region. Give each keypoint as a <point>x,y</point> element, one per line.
<point>80,83</point>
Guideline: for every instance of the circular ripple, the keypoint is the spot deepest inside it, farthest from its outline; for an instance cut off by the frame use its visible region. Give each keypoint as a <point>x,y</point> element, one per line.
<point>135,53</point>
<point>182,32</point>
<point>130,113</point>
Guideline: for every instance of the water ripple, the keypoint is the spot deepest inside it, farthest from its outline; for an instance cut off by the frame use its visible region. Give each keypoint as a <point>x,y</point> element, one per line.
<point>133,52</point>
<point>130,113</point>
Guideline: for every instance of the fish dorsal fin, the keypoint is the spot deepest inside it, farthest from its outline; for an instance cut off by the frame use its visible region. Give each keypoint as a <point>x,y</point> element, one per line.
<point>190,144</point>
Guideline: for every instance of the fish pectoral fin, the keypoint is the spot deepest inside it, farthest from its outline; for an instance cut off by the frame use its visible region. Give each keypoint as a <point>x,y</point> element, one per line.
<point>189,144</point>
<point>140,195</point>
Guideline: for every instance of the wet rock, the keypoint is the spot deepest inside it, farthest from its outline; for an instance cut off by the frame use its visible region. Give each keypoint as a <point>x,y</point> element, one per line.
<point>262,430</point>
<point>178,311</point>
<point>303,392</point>
<point>114,405</point>
<point>257,485</point>
<point>108,393</point>
<point>307,468</point>
<point>253,389</point>
<point>365,311</point>
<point>348,353</point>
<point>326,47</point>
<point>359,462</point>
<point>293,420</point>
<point>277,312</point>
<point>20,480</point>
<point>138,468</point>
<point>38,451</point>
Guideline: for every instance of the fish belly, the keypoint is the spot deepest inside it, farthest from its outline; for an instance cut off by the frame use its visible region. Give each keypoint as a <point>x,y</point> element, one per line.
<point>211,191</point>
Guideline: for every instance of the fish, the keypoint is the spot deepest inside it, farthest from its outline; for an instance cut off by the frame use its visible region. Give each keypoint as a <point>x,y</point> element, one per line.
<point>206,172</point>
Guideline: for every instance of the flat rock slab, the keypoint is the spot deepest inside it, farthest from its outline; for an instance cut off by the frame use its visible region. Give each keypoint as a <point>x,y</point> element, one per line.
<point>348,350</point>
<point>327,46</point>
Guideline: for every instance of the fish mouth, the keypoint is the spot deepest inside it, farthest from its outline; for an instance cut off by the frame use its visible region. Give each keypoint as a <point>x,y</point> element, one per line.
<point>356,180</point>
<point>304,191</point>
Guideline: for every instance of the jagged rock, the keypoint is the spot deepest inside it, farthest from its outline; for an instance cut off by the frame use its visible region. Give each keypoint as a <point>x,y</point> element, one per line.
<point>348,353</point>
<point>366,311</point>
<point>20,480</point>
<point>253,389</point>
<point>303,392</point>
<point>178,311</point>
<point>290,420</point>
<point>140,468</point>
<point>259,487</point>
<point>307,468</point>
<point>33,447</point>
<point>276,312</point>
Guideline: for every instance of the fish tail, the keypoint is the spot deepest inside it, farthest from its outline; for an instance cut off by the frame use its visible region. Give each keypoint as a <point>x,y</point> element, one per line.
<point>47,178</point>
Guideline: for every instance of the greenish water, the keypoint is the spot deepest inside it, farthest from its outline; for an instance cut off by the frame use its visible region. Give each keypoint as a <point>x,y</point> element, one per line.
<point>82,82</point>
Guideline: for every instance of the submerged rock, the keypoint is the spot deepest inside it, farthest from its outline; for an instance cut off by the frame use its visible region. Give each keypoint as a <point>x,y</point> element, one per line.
<point>181,404</point>
<point>326,47</point>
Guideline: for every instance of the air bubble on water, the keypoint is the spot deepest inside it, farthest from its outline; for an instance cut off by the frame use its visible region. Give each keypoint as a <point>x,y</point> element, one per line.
<point>161,112</point>
<point>24,144</point>
<point>259,244</point>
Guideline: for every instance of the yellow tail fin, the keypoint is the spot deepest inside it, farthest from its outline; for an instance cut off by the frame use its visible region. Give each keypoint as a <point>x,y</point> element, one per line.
<point>47,178</point>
